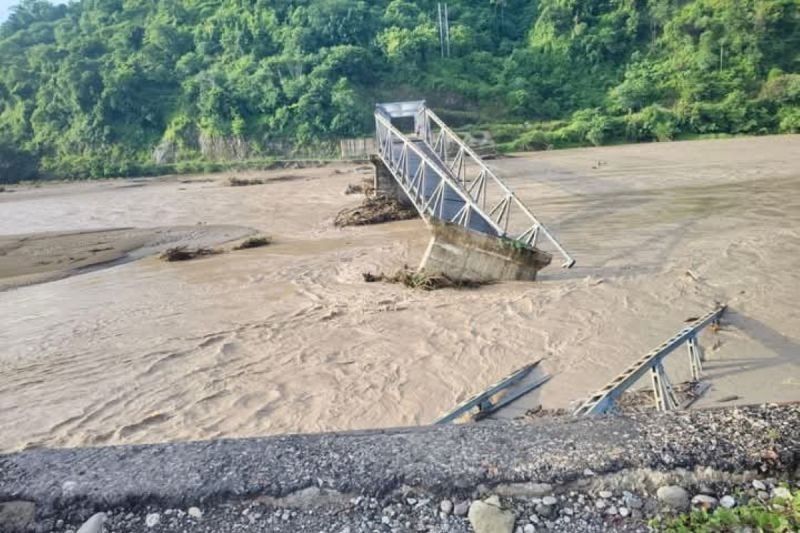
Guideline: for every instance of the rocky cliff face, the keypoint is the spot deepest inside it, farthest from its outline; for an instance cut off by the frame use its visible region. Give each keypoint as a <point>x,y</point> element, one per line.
<point>236,148</point>
<point>215,148</point>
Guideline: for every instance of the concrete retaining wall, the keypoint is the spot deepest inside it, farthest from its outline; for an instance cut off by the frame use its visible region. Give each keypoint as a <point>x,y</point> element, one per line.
<point>357,148</point>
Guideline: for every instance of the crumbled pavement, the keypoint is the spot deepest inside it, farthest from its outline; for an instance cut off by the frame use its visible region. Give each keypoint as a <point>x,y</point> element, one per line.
<point>564,474</point>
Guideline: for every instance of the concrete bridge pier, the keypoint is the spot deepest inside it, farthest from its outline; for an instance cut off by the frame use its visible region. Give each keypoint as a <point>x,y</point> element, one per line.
<point>462,254</point>
<point>386,185</point>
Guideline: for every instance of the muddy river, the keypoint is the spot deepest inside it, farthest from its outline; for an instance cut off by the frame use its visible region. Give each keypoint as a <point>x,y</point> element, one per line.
<point>289,338</point>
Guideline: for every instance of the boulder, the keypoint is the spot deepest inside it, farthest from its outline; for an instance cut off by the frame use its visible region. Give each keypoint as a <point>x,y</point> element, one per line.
<point>94,524</point>
<point>488,516</point>
<point>674,496</point>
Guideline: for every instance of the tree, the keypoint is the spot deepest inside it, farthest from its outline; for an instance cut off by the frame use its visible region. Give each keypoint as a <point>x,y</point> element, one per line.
<point>95,87</point>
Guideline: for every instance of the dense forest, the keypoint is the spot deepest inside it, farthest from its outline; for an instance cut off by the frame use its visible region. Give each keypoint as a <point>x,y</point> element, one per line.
<point>127,87</point>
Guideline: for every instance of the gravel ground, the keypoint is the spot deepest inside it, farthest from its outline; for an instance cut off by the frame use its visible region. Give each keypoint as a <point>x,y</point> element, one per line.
<point>563,474</point>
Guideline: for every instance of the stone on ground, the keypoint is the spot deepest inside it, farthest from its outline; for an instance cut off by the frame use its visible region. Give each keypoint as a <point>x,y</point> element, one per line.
<point>728,502</point>
<point>461,508</point>
<point>17,515</point>
<point>94,524</point>
<point>446,506</point>
<point>674,496</point>
<point>704,501</point>
<point>781,493</point>
<point>489,517</point>
<point>152,519</point>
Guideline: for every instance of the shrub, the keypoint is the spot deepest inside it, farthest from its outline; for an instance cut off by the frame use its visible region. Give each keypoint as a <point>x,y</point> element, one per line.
<point>779,515</point>
<point>789,119</point>
<point>16,165</point>
<point>533,140</point>
<point>781,88</point>
<point>651,123</point>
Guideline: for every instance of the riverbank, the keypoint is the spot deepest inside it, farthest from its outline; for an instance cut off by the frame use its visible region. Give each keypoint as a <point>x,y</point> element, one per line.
<point>566,474</point>
<point>42,257</point>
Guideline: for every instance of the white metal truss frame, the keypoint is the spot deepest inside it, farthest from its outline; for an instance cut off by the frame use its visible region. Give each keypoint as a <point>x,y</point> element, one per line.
<point>414,185</point>
<point>604,400</point>
<point>484,185</point>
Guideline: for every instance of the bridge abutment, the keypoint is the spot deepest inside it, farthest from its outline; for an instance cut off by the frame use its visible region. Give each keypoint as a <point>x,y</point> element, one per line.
<point>386,185</point>
<point>462,254</point>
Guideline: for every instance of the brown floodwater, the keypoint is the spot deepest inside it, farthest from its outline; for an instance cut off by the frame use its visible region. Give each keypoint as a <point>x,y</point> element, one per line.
<point>288,338</point>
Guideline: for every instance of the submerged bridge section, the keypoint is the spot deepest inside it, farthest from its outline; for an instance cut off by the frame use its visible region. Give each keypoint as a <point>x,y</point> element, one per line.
<point>481,229</point>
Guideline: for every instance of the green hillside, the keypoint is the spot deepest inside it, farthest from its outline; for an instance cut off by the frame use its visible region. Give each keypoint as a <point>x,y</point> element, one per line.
<point>112,87</point>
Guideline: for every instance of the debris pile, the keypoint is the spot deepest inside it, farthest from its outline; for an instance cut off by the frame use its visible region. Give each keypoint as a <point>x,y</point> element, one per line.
<point>366,187</point>
<point>233,181</point>
<point>253,242</point>
<point>420,279</point>
<point>642,400</point>
<point>374,210</point>
<point>183,253</point>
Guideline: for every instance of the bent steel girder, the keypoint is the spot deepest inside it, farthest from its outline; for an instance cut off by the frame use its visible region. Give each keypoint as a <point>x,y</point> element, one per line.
<point>605,399</point>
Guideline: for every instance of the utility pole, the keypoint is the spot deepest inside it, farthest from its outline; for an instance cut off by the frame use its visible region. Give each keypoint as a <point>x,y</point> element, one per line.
<point>441,29</point>
<point>444,30</point>
<point>447,29</point>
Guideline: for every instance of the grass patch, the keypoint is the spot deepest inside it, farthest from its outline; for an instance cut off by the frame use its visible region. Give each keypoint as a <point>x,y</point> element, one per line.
<point>253,242</point>
<point>183,253</point>
<point>426,281</point>
<point>778,515</point>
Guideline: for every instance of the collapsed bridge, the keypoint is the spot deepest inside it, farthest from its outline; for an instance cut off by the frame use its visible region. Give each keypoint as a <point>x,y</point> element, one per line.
<point>481,229</point>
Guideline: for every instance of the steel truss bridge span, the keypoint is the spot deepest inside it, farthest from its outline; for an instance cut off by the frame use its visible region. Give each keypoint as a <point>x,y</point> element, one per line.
<point>445,179</point>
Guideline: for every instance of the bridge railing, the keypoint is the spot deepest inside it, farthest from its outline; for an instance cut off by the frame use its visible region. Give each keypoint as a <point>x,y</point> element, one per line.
<point>486,189</point>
